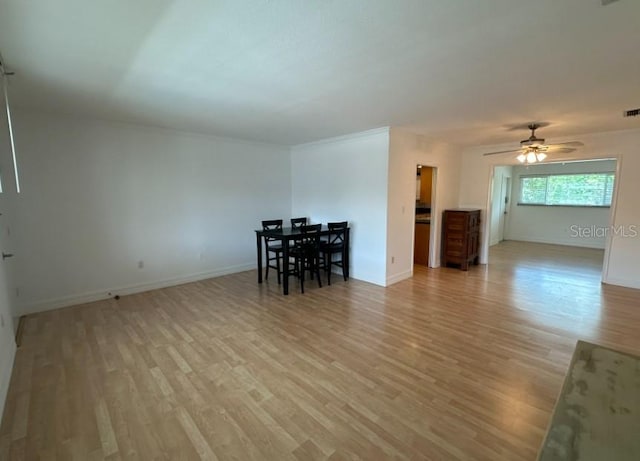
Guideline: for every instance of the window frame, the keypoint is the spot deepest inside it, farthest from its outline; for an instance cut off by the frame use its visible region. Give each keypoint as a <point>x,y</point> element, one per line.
<point>547,175</point>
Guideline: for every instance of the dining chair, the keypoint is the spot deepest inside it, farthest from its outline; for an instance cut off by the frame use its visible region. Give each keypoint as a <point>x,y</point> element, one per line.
<point>297,223</point>
<point>274,250</point>
<point>335,245</point>
<point>307,253</point>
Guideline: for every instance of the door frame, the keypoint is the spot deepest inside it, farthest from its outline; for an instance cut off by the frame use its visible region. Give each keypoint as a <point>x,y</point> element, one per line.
<point>433,249</point>
<point>505,203</point>
<point>486,226</point>
<point>499,201</point>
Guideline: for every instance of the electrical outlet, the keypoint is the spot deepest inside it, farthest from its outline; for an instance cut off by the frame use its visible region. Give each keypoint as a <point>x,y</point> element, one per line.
<point>1,321</point>
<point>141,264</point>
<point>393,259</point>
<point>17,292</point>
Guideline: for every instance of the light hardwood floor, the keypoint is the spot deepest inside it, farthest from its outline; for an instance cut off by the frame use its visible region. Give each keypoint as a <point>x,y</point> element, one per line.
<point>447,365</point>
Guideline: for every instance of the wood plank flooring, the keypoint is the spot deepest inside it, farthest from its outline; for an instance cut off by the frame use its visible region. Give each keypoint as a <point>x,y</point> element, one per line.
<point>447,365</point>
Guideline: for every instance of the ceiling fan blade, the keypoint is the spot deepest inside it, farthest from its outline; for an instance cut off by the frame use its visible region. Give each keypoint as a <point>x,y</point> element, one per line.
<point>502,152</point>
<point>560,150</point>
<point>570,143</point>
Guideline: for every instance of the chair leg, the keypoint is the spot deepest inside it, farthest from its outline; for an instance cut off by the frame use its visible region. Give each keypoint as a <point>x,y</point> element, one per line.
<point>301,272</point>
<point>266,270</point>
<point>278,266</point>
<point>345,272</point>
<point>316,264</point>
<point>328,266</point>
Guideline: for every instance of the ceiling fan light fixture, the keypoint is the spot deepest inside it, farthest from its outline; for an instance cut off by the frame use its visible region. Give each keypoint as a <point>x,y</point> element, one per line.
<point>534,150</point>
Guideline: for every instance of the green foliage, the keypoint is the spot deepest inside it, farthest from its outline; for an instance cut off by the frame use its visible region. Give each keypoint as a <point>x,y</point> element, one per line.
<point>589,189</point>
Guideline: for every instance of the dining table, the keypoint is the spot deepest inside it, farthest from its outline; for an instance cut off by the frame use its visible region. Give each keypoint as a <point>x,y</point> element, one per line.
<point>288,236</point>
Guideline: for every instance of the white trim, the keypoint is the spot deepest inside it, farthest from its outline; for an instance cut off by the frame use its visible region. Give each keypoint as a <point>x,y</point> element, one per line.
<point>628,283</point>
<point>434,222</point>
<point>612,219</point>
<point>486,243</point>
<point>151,127</point>
<point>485,221</point>
<point>5,86</point>
<point>5,376</point>
<point>571,243</point>
<point>433,257</point>
<point>130,289</point>
<point>367,276</point>
<point>343,138</point>
<point>399,277</point>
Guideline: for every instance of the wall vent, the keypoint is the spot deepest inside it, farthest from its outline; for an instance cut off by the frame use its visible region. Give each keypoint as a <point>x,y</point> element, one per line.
<point>631,113</point>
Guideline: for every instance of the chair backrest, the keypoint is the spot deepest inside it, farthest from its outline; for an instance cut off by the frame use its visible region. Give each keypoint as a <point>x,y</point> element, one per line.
<point>310,235</point>
<point>271,224</point>
<point>337,232</point>
<point>297,223</point>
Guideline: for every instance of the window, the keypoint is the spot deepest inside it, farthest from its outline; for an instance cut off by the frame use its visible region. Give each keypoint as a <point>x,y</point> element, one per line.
<point>582,189</point>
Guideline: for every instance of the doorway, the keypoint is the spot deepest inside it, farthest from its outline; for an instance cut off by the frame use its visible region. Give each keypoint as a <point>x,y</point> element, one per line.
<point>424,241</point>
<point>500,203</point>
<point>564,205</point>
<point>505,192</point>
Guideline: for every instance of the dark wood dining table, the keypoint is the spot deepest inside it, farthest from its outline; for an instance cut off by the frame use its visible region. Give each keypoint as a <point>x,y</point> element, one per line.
<point>286,236</point>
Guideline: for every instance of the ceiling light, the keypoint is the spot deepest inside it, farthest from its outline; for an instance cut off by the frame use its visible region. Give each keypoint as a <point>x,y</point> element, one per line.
<point>531,155</point>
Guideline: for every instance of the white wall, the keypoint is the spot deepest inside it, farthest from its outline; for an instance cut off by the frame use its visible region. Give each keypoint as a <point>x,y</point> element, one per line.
<point>499,174</point>
<point>346,179</point>
<point>98,197</point>
<point>556,224</point>
<point>407,150</point>
<point>621,256</point>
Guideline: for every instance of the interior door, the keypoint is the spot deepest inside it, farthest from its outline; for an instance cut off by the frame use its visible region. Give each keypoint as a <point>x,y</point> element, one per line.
<point>7,292</point>
<point>8,207</point>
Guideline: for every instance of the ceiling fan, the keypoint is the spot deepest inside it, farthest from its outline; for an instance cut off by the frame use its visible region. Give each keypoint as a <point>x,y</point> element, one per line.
<point>533,149</point>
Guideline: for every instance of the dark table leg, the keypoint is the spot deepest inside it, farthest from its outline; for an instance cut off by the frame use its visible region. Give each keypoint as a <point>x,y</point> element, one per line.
<point>347,245</point>
<point>259,247</point>
<point>285,266</point>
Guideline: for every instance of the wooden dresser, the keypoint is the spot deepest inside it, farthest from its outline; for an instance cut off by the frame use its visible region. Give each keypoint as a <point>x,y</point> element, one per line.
<point>460,237</point>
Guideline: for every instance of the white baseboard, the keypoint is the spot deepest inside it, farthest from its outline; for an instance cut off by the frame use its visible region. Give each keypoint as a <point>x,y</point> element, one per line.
<point>5,373</point>
<point>367,277</point>
<point>399,277</point>
<point>83,298</point>
<point>568,243</point>
<point>628,283</point>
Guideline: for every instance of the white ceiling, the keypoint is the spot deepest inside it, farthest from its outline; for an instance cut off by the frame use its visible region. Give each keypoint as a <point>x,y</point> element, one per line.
<point>291,71</point>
